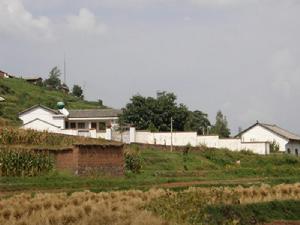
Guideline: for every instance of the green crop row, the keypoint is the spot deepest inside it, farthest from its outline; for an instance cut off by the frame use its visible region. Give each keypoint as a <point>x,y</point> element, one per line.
<point>14,136</point>
<point>23,162</point>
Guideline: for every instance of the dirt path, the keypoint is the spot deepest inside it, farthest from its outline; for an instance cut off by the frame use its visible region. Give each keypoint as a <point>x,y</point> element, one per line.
<point>284,223</point>
<point>163,185</point>
<point>210,182</point>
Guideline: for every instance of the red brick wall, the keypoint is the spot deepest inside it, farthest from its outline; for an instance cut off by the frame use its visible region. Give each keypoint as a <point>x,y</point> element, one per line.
<point>91,159</point>
<point>106,159</point>
<point>64,160</point>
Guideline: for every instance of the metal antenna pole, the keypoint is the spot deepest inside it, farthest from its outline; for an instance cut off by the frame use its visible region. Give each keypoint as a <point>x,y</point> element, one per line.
<point>65,70</point>
<point>171,134</point>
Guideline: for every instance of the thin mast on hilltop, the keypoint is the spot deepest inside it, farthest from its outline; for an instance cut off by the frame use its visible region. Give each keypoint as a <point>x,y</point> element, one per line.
<point>65,70</point>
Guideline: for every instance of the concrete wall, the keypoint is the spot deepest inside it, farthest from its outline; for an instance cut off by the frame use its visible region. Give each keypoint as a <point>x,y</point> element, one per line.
<point>293,148</point>
<point>191,138</point>
<point>259,133</point>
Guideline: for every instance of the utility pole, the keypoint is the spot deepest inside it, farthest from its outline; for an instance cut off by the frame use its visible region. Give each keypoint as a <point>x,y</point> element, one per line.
<point>171,134</point>
<point>65,70</point>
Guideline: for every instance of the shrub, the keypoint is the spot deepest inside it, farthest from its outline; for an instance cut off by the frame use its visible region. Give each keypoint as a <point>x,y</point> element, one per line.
<point>220,157</point>
<point>133,160</point>
<point>23,162</point>
<point>274,147</point>
<point>185,155</point>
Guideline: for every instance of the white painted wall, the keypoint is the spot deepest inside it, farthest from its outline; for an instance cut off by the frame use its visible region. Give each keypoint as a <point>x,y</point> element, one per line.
<point>261,134</point>
<point>43,114</point>
<point>40,125</point>
<point>256,147</point>
<point>293,147</point>
<point>209,141</point>
<point>185,138</point>
<point>101,135</point>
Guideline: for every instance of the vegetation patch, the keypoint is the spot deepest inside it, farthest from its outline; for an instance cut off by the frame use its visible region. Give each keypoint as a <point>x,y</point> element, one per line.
<point>257,213</point>
<point>23,162</point>
<point>236,205</point>
<point>21,95</point>
<point>15,136</point>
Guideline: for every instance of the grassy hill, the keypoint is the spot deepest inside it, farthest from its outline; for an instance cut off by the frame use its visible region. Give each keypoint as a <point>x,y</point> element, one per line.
<point>20,95</point>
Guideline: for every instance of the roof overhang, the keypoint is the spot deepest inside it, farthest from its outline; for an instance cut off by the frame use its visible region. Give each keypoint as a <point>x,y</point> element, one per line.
<point>39,106</point>
<point>43,121</point>
<point>92,118</point>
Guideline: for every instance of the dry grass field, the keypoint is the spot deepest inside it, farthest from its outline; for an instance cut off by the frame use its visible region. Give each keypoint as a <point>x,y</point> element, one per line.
<point>130,207</point>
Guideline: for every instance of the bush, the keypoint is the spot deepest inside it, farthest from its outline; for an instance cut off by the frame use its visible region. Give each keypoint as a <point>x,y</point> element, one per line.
<point>133,160</point>
<point>274,147</point>
<point>220,157</point>
<point>23,162</point>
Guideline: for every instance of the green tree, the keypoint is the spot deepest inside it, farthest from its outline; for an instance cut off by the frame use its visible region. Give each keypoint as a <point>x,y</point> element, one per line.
<point>77,91</point>
<point>221,126</point>
<point>100,102</point>
<point>148,113</point>
<point>54,78</point>
<point>274,147</point>
<point>197,121</point>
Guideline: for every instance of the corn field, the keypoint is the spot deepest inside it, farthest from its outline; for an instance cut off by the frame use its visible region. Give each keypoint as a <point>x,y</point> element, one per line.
<point>23,162</point>
<point>14,136</point>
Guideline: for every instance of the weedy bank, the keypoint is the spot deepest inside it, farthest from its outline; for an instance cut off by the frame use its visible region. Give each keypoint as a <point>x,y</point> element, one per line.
<point>10,136</point>
<point>152,167</point>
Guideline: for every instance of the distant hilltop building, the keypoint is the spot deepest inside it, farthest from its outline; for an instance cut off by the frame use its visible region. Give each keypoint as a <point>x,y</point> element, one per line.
<point>5,75</point>
<point>33,80</point>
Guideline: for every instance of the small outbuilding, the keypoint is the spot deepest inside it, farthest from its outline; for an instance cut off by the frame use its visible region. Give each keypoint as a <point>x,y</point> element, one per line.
<point>287,141</point>
<point>34,80</point>
<point>5,75</point>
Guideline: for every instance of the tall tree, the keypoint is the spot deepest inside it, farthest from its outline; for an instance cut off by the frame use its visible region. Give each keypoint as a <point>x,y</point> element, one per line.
<point>221,126</point>
<point>155,113</point>
<point>54,78</point>
<point>77,91</point>
<point>197,121</point>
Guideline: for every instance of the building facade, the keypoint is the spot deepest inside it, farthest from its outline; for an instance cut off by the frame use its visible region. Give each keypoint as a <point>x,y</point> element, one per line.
<point>90,122</point>
<point>285,140</point>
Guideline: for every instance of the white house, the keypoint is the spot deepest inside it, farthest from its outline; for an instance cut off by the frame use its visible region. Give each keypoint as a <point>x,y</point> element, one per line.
<point>287,141</point>
<point>89,122</point>
<point>5,75</point>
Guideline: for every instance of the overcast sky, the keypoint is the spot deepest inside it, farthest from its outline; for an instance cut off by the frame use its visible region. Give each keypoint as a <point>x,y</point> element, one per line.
<point>240,56</point>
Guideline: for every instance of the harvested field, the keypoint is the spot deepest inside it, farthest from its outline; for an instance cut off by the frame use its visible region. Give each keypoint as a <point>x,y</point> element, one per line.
<point>153,207</point>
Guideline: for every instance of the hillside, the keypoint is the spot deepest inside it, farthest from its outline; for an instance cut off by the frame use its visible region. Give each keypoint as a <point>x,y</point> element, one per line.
<point>20,95</point>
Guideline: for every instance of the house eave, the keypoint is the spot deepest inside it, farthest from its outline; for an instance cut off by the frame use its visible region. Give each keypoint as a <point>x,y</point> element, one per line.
<point>91,118</point>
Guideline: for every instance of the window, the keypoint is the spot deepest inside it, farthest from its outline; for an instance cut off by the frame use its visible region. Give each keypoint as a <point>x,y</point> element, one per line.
<point>67,125</point>
<point>102,126</point>
<point>296,152</point>
<point>289,151</point>
<point>94,126</point>
<point>81,125</point>
<point>73,125</point>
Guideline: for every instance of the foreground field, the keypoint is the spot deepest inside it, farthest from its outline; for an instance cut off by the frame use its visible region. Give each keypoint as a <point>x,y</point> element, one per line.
<point>195,187</point>
<point>154,207</point>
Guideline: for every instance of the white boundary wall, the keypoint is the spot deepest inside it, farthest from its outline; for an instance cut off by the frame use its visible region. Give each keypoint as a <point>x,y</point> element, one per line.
<point>191,138</point>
